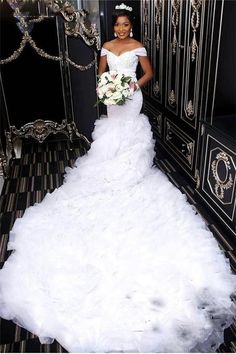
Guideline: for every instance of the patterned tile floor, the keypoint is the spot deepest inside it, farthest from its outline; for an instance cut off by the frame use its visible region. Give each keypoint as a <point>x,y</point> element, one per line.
<point>39,171</point>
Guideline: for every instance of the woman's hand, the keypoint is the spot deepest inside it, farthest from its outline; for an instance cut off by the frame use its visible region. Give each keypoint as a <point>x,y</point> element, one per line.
<point>134,85</point>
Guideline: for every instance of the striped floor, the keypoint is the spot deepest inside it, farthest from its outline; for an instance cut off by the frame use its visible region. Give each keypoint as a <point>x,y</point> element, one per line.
<point>39,171</point>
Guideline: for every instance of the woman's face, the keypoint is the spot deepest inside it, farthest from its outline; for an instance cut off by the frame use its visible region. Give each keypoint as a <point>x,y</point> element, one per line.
<point>122,27</point>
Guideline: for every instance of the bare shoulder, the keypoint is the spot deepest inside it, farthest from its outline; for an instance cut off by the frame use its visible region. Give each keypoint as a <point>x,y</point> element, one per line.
<point>137,44</point>
<point>107,45</point>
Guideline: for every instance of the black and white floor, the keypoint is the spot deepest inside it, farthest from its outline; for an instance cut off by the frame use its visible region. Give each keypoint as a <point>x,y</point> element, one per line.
<point>39,171</point>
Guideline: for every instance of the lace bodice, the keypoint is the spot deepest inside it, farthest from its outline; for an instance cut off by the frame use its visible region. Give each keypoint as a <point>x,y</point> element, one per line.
<point>126,62</point>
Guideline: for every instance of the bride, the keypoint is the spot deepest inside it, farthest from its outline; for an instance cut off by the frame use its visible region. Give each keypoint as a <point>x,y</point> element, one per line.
<point>116,259</point>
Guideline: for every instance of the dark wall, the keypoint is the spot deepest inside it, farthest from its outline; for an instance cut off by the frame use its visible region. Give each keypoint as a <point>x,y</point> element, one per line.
<point>4,123</point>
<point>83,86</point>
<point>39,88</point>
<point>32,84</point>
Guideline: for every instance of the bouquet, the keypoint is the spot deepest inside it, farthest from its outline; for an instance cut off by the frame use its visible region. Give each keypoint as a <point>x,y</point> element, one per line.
<point>114,88</point>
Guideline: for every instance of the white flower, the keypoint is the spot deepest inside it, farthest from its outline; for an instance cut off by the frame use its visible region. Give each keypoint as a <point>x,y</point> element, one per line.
<point>109,101</point>
<point>103,89</point>
<point>109,93</point>
<point>119,87</point>
<point>111,86</point>
<point>103,80</point>
<point>117,95</point>
<point>114,88</point>
<point>126,93</point>
<point>112,75</point>
<point>99,93</point>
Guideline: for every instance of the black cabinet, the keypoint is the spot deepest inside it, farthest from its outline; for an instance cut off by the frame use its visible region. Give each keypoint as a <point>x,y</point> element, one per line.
<point>217,166</point>
<point>217,185</point>
<point>191,100</point>
<point>174,34</point>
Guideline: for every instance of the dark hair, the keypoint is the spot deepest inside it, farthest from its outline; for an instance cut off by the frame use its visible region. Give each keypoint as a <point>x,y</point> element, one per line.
<point>122,12</point>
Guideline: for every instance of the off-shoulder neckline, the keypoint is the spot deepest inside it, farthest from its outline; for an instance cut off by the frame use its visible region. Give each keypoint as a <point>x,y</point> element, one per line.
<point>128,51</point>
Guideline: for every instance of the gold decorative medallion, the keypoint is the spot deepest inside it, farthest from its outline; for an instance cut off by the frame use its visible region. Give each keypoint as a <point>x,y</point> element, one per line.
<point>221,185</point>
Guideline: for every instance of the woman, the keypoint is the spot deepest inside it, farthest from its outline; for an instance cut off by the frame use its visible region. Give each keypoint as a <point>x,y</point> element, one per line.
<point>124,43</point>
<point>116,259</point>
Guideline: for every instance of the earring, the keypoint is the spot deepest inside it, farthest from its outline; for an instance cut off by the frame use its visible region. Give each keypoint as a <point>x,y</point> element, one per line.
<point>131,33</point>
<point>115,35</point>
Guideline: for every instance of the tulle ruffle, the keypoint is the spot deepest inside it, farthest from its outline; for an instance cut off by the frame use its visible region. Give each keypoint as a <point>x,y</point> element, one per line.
<point>116,259</point>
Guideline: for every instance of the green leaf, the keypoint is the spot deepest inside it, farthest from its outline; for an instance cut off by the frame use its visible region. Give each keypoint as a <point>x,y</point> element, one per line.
<point>120,102</point>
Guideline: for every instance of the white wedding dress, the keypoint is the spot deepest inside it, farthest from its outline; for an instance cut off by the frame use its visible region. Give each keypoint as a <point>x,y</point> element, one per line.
<point>116,259</point>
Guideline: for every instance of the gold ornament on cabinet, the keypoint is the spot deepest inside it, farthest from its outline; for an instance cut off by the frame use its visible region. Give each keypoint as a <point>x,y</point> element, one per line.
<point>221,185</point>
<point>175,22</point>
<point>158,9</point>
<point>156,88</point>
<point>172,99</point>
<point>195,22</point>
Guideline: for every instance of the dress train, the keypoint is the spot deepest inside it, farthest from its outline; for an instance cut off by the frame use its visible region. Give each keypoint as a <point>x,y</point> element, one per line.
<point>116,259</point>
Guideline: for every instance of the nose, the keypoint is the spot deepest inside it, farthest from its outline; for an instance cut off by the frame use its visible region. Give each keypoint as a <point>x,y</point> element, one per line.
<point>120,27</point>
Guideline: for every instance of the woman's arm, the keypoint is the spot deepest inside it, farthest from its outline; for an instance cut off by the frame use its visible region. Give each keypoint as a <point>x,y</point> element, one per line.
<point>147,69</point>
<point>102,65</point>
<point>103,61</point>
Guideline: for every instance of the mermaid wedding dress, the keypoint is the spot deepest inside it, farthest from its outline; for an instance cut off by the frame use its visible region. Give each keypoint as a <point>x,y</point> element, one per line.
<point>116,259</point>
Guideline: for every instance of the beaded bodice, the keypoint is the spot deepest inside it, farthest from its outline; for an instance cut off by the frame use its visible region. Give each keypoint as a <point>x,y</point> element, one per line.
<point>126,62</point>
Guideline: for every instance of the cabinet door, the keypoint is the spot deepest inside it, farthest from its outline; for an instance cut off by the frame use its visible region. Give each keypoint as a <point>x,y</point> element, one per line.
<point>217,166</point>
<point>157,25</point>
<point>218,175</point>
<point>176,17</point>
<point>146,20</point>
<point>175,32</point>
<point>186,33</point>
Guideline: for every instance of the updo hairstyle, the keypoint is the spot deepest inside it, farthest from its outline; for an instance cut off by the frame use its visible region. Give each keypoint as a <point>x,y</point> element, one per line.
<point>122,12</point>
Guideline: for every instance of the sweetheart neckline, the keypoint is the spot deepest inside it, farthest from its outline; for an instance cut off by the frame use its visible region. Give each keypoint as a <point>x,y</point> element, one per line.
<point>128,51</point>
